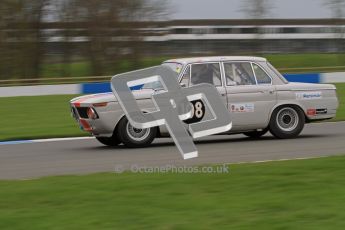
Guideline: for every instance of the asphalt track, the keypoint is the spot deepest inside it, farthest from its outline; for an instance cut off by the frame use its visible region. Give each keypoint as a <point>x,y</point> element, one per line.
<point>84,156</point>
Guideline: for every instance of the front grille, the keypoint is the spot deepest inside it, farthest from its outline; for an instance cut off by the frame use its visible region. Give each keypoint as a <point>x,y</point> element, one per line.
<point>82,111</point>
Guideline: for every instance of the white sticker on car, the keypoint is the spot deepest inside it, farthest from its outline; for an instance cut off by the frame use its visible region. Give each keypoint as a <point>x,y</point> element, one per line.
<point>242,108</point>
<point>308,95</point>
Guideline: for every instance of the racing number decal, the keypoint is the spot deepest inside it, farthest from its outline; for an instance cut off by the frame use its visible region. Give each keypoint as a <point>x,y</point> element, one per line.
<point>198,112</point>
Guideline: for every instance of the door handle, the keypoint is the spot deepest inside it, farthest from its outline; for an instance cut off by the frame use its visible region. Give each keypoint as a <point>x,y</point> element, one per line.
<point>271,91</point>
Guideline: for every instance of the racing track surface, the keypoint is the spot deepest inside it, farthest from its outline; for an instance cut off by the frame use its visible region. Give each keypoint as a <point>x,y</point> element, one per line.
<point>31,160</point>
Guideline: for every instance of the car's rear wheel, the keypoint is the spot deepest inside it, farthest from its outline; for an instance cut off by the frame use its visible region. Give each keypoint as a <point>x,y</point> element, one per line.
<point>133,137</point>
<point>109,141</point>
<point>287,122</point>
<point>256,134</point>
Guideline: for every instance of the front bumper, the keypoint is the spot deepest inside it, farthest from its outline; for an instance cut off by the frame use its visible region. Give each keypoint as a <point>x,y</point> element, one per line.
<point>104,125</point>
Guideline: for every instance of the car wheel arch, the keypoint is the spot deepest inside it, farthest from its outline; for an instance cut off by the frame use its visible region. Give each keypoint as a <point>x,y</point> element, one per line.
<point>124,115</point>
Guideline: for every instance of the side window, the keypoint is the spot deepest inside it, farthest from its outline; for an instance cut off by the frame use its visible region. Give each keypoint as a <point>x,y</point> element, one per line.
<point>206,73</point>
<point>239,73</point>
<point>261,76</point>
<point>185,77</point>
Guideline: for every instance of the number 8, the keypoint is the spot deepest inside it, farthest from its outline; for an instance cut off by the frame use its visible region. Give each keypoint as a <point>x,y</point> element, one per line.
<point>198,110</point>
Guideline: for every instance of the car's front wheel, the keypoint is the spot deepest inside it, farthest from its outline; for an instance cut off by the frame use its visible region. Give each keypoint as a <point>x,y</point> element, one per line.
<point>134,138</point>
<point>287,122</point>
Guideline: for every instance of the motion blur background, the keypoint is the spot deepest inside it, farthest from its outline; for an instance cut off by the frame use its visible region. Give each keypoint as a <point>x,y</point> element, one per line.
<point>66,39</point>
<point>54,50</point>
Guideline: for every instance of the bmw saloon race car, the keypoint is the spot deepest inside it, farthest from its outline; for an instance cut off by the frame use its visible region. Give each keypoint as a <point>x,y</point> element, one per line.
<point>258,97</point>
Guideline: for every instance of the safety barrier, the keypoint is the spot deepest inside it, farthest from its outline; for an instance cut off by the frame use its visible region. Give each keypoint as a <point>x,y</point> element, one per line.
<point>102,87</point>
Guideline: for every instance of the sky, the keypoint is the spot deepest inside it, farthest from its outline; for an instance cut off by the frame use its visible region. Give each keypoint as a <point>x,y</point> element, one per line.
<point>231,9</point>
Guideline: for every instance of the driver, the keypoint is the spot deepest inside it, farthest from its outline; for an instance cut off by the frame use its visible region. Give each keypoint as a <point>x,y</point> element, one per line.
<point>202,74</point>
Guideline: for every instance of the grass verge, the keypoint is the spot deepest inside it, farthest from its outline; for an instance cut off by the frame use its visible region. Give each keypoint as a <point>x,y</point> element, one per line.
<point>37,117</point>
<point>286,62</point>
<point>315,61</point>
<point>341,96</point>
<point>303,194</point>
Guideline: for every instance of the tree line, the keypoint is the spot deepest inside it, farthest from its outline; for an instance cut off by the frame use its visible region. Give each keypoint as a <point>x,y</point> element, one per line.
<point>26,24</point>
<point>24,28</point>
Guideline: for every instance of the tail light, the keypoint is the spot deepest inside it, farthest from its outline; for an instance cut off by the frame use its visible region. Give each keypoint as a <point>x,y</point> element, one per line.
<point>311,112</point>
<point>91,113</point>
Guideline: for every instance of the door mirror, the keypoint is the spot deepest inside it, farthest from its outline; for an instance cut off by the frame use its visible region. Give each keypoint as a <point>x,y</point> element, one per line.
<point>183,84</point>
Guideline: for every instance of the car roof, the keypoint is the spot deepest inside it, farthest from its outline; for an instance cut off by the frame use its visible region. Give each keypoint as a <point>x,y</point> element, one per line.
<point>215,59</point>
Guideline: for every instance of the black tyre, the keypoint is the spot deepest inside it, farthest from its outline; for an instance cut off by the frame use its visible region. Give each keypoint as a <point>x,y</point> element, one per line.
<point>109,141</point>
<point>134,138</point>
<point>287,122</point>
<point>256,134</point>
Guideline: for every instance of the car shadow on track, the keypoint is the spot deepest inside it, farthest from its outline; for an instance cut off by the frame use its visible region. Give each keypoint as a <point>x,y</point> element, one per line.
<point>236,140</point>
<point>162,142</point>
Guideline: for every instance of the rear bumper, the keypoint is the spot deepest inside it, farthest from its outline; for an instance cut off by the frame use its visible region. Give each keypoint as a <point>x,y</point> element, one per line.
<point>322,110</point>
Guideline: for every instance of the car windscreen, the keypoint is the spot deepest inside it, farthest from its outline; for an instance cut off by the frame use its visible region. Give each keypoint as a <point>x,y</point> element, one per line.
<point>176,67</point>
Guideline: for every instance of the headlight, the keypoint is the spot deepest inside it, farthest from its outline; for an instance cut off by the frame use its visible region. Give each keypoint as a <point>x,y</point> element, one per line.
<point>91,113</point>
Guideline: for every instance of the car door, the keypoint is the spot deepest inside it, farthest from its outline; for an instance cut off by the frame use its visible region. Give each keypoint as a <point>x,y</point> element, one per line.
<point>250,94</point>
<point>198,73</point>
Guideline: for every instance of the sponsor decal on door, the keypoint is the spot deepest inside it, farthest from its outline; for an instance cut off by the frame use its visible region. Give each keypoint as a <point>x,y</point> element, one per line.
<point>242,108</point>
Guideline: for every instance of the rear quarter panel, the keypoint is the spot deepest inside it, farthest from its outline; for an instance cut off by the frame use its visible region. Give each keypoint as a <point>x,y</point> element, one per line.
<point>309,97</point>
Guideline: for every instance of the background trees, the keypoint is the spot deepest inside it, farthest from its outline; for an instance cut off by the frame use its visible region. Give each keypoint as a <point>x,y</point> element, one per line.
<point>104,32</point>
<point>337,8</point>
<point>257,10</point>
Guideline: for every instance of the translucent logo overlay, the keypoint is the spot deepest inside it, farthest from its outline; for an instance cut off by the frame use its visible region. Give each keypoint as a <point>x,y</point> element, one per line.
<point>172,105</point>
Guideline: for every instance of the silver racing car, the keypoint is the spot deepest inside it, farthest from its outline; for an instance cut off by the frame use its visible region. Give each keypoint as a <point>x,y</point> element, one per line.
<point>258,97</point>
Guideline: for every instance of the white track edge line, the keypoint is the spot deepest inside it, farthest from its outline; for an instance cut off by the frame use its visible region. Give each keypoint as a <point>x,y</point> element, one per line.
<point>61,139</point>
<point>283,159</point>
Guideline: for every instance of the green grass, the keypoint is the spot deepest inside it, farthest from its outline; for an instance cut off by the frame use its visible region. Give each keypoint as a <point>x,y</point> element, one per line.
<point>306,60</point>
<point>49,116</point>
<point>304,194</point>
<point>282,61</point>
<point>341,96</point>
<point>77,69</point>
<point>37,117</point>
<point>83,68</point>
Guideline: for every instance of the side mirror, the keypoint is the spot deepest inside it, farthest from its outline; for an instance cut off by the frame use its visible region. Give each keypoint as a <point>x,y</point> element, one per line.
<point>183,85</point>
